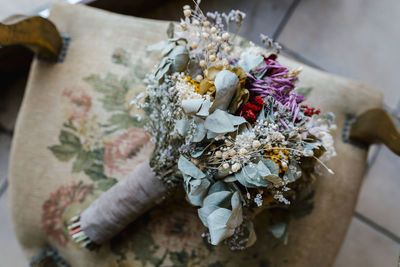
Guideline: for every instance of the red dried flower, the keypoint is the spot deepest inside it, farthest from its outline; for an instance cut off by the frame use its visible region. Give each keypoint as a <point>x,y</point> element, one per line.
<point>258,101</point>
<point>310,111</point>
<point>250,116</point>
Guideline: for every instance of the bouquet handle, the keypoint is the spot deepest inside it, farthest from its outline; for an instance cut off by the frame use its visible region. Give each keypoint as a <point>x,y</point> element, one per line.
<point>119,206</point>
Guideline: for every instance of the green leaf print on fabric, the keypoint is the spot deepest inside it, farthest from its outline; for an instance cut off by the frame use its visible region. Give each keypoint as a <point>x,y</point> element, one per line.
<point>87,134</point>
<point>69,147</point>
<point>83,161</point>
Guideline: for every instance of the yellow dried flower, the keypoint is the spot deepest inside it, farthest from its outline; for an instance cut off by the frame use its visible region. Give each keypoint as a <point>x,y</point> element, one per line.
<point>279,156</point>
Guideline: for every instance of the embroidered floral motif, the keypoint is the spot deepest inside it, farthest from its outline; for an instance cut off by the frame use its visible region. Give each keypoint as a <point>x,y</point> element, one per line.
<point>78,103</point>
<point>55,205</point>
<point>123,154</point>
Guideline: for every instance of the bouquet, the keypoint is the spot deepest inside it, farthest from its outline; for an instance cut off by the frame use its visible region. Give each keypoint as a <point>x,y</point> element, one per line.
<point>228,125</point>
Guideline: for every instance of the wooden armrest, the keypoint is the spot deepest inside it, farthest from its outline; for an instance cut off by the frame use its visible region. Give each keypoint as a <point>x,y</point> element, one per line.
<point>376,126</point>
<point>36,33</point>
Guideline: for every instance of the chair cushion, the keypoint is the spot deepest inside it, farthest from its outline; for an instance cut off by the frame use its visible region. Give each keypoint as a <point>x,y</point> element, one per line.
<point>76,136</point>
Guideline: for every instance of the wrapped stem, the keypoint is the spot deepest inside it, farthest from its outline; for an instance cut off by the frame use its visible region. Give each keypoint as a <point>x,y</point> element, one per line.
<point>119,206</point>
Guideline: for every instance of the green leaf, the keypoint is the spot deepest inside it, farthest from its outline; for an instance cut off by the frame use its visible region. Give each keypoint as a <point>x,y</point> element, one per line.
<point>219,122</point>
<point>170,30</point>
<point>106,184</point>
<point>217,225</point>
<point>218,199</point>
<point>200,131</point>
<point>218,186</point>
<point>191,106</point>
<point>237,120</point>
<point>230,179</point>
<point>225,83</point>
<point>180,58</point>
<point>242,178</point>
<point>113,90</point>
<point>252,234</point>
<point>221,221</point>
<point>293,172</point>
<point>83,161</point>
<point>188,168</point>
<point>204,110</point>
<point>204,212</point>
<point>196,189</point>
<point>278,230</point>
<point>96,172</point>
<point>249,62</point>
<point>64,152</point>
<point>69,138</point>
<point>182,126</point>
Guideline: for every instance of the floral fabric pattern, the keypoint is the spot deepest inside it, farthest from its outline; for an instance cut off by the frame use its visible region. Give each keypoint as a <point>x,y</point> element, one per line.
<point>54,207</point>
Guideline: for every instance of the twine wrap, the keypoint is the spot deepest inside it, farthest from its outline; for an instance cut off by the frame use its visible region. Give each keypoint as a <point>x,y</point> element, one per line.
<point>122,204</point>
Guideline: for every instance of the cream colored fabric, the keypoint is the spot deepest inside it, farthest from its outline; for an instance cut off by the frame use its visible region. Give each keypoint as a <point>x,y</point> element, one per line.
<point>45,192</point>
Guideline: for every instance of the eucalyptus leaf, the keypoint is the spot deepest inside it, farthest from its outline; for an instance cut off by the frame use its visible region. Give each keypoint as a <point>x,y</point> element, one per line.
<point>196,190</point>
<point>188,168</point>
<point>217,225</point>
<point>293,172</point>
<point>182,126</point>
<point>221,174</point>
<point>218,199</point>
<point>191,106</point>
<point>261,116</point>
<point>170,30</point>
<point>249,62</point>
<point>230,179</point>
<point>219,122</point>
<point>200,131</point>
<point>236,217</point>
<point>274,169</point>
<point>225,83</point>
<point>237,120</point>
<point>211,135</point>
<point>204,212</point>
<point>218,186</point>
<point>180,58</point>
<point>241,177</point>
<point>163,69</point>
<point>197,152</point>
<point>253,176</point>
<point>274,179</point>
<point>204,110</point>
<point>262,169</point>
<point>278,230</point>
<point>252,234</point>
<point>167,49</point>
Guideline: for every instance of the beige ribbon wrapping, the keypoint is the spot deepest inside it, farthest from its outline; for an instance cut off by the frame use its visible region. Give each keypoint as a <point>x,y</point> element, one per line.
<point>122,204</point>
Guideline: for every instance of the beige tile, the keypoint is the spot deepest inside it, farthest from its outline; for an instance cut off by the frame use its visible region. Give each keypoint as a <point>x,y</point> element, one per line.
<point>379,198</point>
<point>358,39</point>
<point>365,247</point>
<point>10,253</point>
<point>262,16</point>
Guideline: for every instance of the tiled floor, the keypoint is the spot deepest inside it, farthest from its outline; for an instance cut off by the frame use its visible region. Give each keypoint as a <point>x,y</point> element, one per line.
<point>358,39</point>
